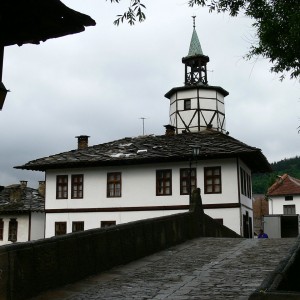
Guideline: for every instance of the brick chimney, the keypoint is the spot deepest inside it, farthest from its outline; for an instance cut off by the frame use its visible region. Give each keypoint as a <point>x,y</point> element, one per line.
<point>170,130</point>
<point>42,188</point>
<point>83,141</point>
<point>23,184</point>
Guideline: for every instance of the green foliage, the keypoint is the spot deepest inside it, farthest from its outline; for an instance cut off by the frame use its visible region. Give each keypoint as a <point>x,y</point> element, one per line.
<point>277,24</point>
<point>134,12</point>
<point>261,182</point>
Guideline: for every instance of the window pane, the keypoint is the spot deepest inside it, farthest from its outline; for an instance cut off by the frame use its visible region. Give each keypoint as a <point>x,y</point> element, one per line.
<point>212,180</point>
<point>114,184</point>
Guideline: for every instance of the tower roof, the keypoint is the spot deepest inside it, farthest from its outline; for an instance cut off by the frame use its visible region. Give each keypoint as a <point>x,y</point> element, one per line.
<point>195,47</point>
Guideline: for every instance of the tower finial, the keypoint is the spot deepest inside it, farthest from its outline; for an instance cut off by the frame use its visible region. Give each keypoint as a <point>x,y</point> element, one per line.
<point>194,24</point>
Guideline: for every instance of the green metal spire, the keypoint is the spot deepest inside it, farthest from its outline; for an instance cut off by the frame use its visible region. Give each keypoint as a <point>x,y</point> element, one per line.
<point>195,47</point>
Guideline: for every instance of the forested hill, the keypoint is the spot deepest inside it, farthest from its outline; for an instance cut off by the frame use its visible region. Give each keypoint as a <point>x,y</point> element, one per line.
<point>261,182</point>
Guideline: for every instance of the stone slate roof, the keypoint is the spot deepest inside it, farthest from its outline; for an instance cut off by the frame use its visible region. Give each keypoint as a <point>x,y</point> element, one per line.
<point>17,199</point>
<point>154,149</point>
<point>285,185</point>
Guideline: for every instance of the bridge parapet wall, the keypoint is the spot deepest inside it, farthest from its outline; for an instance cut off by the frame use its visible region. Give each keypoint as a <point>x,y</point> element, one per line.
<point>27,269</point>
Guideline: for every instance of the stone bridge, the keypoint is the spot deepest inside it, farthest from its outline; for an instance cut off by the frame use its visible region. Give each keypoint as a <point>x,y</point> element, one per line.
<point>181,256</point>
<point>202,268</point>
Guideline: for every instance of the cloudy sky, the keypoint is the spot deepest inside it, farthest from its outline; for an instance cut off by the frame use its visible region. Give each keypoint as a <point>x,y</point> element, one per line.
<point>102,81</point>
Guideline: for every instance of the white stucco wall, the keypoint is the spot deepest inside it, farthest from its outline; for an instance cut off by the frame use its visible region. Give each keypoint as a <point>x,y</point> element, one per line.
<point>209,101</point>
<point>37,225</point>
<point>276,204</point>
<point>138,190</point>
<point>23,226</point>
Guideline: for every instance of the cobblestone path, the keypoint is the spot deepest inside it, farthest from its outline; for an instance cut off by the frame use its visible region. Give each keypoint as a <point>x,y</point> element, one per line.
<point>203,268</point>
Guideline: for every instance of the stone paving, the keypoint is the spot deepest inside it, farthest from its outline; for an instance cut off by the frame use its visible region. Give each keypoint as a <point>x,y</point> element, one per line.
<point>203,268</point>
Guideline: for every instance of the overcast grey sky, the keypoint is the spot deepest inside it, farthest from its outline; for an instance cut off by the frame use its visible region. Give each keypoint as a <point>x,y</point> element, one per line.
<point>102,81</point>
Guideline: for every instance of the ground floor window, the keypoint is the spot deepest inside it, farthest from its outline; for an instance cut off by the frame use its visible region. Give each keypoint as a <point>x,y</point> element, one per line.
<point>289,209</point>
<point>107,223</point>
<point>13,230</point>
<point>1,229</point>
<point>77,226</point>
<point>60,228</point>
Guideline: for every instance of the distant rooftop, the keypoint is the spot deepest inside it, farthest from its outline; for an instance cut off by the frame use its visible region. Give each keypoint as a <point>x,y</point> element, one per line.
<point>285,185</point>
<point>16,198</point>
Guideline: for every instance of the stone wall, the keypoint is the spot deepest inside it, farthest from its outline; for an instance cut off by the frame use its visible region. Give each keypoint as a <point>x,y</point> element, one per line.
<point>284,282</point>
<point>27,269</point>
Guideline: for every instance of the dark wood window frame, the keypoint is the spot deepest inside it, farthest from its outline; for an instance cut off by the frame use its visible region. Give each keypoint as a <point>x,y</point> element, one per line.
<point>77,186</point>
<point>212,180</point>
<point>77,226</point>
<point>164,182</point>
<point>104,224</point>
<point>185,180</point>
<point>114,184</point>
<point>289,198</point>
<point>60,228</point>
<point>187,104</point>
<point>62,187</point>
<point>246,185</point>
<point>1,229</point>
<point>13,230</point>
<point>289,209</point>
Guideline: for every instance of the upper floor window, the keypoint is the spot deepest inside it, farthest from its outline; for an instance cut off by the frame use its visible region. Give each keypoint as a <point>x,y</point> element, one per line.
<point>212,180</point>
<point>60,228</point>
<point>62,187</point>
<point>1,229</point>
<point>13,230</point>
<point>77,186</point>
<point>246,186</point>
<point>187,104</point>
<point>77,226</point>
<point>114,184</point>
<point>188,180</point>
<point>163,182</point>
<point>288,198</point>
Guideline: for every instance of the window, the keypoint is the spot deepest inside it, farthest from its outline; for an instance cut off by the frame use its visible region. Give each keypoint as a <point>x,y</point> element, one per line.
<point>288,198</point>
<point>107,223</point>
<point>220,221</point>
<point>77,226</point>
<point>1,229</point>
<point>187,104</point>
<point>185,179</point>
<point>77,186</point>
<point>13,230</point>
<point>114,184</point>
<point>62,187</point>
<point>60,228</point>
<point>163,182</point>
<point>289,209</point>
<point>212,180</point>
<point>246,186</point>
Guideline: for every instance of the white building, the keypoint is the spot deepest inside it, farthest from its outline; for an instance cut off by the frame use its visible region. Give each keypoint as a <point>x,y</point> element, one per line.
<point>22,213</point>
<point>284,196</point>
<point>150,176</point>
<point>284,208</point>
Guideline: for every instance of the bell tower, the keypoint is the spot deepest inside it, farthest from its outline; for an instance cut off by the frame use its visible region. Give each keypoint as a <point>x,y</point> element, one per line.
<point>195,62</point>
<point>196,106</point>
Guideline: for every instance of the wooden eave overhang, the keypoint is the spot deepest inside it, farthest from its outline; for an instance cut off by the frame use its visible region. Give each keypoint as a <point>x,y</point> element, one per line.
<point>154,149</point>
<point>199,86</point>
<point>33,21</point>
